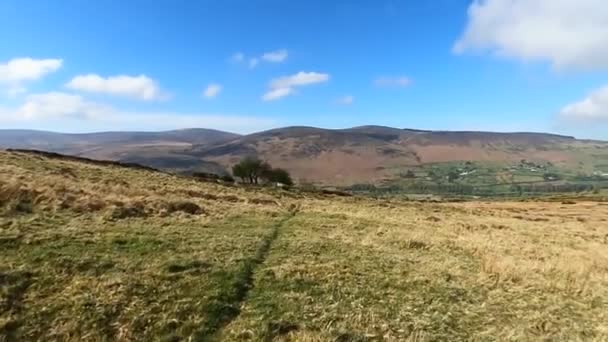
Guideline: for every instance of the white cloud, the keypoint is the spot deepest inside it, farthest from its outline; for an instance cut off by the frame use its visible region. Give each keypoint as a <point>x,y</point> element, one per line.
<point>398,82</point>
<point>565,33</point>
<point>276,94</point>
<point>137,87</point>
<point>17,71</point>
<point>275,56</point>
<point>27,69</point>
<point>300,79</point>
<point>346,100</point>
<point>55,105</point>
<point>212,90</point>
<point>284,86</point>
<point>593,108</point>
<point>63,111</point>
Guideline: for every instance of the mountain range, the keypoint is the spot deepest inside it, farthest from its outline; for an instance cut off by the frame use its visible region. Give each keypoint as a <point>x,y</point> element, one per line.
<point>365,154</point>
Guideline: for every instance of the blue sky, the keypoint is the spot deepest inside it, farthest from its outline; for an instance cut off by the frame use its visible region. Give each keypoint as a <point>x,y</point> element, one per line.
<point>501,65</point>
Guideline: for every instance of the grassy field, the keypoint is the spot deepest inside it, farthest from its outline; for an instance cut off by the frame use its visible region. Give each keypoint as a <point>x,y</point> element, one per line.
<point>102,253</point>
<point>491,179</point>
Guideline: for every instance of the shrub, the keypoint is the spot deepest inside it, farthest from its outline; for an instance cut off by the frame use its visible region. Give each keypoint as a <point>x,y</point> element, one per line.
<point>251,170</point>
<point>184,206</point>
<point>227,178</point>
<point>205,176</point>
<point>123,211</point>
<point>278,176</point>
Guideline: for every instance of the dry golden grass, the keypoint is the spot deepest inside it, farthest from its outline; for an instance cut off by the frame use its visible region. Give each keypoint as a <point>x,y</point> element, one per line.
<point>104,253</point>
<point>362,270</point>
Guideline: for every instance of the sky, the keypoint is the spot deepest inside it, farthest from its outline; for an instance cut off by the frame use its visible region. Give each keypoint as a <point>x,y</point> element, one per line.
<point>245,66</point>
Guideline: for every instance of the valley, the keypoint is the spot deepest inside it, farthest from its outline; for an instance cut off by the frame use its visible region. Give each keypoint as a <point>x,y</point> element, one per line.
<point>377,157</point>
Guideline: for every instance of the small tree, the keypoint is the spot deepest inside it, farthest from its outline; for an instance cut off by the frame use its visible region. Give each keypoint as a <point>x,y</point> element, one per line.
<point>249,170</point>
<point>278,176</point>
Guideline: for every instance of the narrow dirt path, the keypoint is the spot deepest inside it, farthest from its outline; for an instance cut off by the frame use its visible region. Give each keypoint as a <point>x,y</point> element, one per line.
<point>226,306</point>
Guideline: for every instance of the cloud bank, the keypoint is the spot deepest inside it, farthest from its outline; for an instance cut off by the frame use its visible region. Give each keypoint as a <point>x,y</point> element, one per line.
<point>591,109</point>
<point>70,112</point>
<point>17,71</point>
<point>135,87</point>
<point>278,56</point>
<point>566,33</point>
<point>284,86</point>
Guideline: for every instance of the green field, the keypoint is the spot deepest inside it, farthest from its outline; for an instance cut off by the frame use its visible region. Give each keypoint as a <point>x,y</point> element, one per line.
<point>489,179</point>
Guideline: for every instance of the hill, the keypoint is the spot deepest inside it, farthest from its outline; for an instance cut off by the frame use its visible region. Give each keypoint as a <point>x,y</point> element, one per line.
<point>163,150</point>
<point>367,154</point>
<point>100,251</point>
<point>373,154</point>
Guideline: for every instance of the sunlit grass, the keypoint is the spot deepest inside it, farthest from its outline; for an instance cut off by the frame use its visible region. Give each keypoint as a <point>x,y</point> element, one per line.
<point>103,253</point>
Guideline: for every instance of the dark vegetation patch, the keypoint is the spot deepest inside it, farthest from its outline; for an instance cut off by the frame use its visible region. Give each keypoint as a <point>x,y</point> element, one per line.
<point>336,193</point>
<point>13,287</point>
<point>212,197</point>
<point>185,207</point>
<point>59,156</point>
<point>393,152</point>
<point>201,194</point>
<point>280,328</point>
<point>13,284</point>
<point>433,219</point>
<point>127,210</point>
<point>88,265</point>
<point>230,198</point>
<point>187,266</point>
<point>383,137</point>
<point>263,201</point>
<point>531,219</point>
<point>416,244</point>
<point>227,149</point>
<point>140,209</point>
<point>213,177</point>
<point>10,241</point>
<point>17,199</point>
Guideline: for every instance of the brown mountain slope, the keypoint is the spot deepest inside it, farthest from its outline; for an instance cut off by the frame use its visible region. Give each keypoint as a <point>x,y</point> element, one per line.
<point>338,157</point>
<point>372,153</point>
<point>109,143</point>
<point>320,155</point>
<point>162,150</point>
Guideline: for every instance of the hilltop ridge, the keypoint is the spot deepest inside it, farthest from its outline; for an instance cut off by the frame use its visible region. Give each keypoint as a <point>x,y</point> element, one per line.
<point>327,156</point>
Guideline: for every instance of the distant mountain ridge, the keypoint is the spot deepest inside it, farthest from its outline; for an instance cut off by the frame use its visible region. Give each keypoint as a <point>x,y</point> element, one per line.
<point>29,138</point>
<point>330,156</point>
